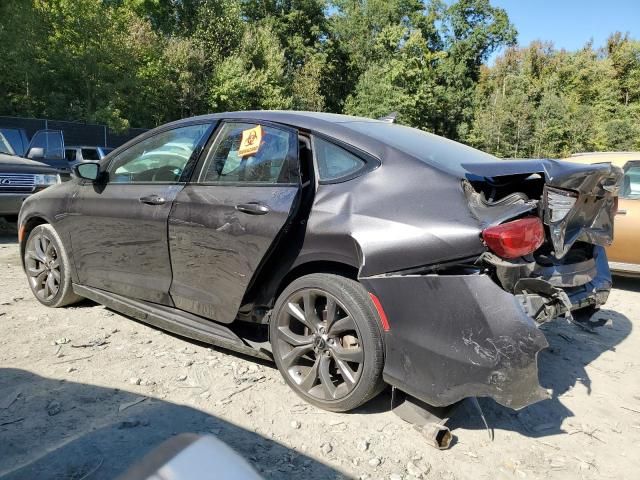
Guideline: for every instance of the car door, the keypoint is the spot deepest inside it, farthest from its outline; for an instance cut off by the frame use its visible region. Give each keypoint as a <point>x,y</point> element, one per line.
<point>624,248</point>
<point>47,146</point>
<point>225,221</point>
<point>119,237</point>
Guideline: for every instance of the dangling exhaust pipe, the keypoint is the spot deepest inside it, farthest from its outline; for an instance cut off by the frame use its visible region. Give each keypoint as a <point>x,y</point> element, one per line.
<point>437,435</point>
<point>429,421</point>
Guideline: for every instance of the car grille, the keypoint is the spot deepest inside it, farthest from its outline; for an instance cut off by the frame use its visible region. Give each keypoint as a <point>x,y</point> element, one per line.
<point>17,182</point>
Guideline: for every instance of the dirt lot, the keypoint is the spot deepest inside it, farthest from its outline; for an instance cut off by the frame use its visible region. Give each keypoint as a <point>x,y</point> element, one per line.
<point>85,391</point>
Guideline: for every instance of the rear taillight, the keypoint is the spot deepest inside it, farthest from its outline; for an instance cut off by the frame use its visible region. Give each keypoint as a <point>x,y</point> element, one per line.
<point>515,239</point>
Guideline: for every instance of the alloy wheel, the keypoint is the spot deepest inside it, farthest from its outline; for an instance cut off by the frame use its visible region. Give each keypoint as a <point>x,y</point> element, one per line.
<point>319,344</point>
<point>43,267</point>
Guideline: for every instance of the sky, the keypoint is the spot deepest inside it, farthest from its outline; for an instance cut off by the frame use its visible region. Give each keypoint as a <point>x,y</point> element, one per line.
<point>569,24</point>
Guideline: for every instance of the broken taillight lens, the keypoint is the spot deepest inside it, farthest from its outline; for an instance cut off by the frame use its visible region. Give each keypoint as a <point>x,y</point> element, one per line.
<point>515,239</point>
<point>559,203</point>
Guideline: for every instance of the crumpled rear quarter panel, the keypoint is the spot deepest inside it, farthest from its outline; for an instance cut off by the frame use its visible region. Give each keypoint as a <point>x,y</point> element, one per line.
<point>402,215</point>
<point>457,336</point>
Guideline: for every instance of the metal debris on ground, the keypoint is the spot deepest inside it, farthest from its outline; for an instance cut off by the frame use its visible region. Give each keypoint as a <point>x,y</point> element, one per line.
<point>72,360</point>
<point>9,422</point>
<point>7,401</point>
<point>98,342</point>
<point>124,406</point>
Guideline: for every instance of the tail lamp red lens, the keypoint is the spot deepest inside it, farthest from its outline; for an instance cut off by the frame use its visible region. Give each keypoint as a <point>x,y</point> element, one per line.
<point>515,239</point>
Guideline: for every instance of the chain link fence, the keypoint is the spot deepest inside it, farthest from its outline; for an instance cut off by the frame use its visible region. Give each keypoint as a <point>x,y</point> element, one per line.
<point>75,133</point>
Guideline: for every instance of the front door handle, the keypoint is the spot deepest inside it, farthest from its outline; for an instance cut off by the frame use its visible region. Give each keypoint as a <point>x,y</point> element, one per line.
<point>253,208</point>
<point>153,200</point>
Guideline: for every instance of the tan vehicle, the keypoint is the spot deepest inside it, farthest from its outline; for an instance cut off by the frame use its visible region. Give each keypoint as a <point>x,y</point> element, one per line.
<point>624,252</point>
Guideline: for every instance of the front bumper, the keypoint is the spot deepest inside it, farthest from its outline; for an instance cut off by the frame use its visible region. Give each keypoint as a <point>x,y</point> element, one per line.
<point>458,336</point>
<point>10,203</point>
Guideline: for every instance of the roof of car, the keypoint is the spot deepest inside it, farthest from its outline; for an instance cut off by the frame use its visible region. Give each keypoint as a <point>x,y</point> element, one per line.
<point>616,158</point>
<point>294,117</point>
<point>329,124</point>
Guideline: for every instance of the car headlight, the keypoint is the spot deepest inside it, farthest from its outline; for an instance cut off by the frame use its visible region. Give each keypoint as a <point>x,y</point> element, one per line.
<point>43,180</point>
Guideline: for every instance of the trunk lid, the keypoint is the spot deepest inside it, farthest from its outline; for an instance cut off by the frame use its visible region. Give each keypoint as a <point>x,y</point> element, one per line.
<point>575,201</point>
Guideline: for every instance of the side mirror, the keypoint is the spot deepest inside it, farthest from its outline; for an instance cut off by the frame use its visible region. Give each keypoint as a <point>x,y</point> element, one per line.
<point>87,170</point>
<point>36,153</point>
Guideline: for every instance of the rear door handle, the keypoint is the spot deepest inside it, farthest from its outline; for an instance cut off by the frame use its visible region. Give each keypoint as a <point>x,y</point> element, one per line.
<point>153,200</point>
<point>253,208</point>
<point>621,212</point>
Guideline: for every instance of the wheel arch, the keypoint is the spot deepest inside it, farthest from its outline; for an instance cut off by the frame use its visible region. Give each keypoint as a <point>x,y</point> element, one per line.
<point>317,266</point>
<point>25,229</point>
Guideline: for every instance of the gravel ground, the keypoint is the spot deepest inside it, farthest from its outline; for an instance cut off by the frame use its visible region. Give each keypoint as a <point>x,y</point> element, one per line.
<point>84,392</point>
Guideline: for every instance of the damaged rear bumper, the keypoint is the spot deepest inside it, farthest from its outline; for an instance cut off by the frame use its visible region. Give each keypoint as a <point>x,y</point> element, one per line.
<point>458,336</point>
<point>558,290</point>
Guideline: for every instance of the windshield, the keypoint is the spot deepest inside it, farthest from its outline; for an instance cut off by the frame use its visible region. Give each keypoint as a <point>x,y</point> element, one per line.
<point>5,146</point>
<point>437,151</point>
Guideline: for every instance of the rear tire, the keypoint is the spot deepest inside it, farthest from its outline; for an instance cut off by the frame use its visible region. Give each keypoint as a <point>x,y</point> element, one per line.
<point>48,268</point>
<point>327,342</point>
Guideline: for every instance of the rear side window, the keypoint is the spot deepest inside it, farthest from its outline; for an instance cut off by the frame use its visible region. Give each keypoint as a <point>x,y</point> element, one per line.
<point>70,154</point>
<point>252,153</point>
<point>334,162</point>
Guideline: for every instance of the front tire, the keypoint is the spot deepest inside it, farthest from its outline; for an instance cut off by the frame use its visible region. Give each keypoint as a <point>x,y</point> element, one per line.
<point>327,342</point>
<point>48,268</point>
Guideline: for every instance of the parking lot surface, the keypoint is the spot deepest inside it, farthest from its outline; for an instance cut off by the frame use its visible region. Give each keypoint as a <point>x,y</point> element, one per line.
<point>84,392</point>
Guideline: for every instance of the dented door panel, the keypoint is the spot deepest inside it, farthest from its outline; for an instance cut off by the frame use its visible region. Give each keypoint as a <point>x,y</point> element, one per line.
<point>216,249</point>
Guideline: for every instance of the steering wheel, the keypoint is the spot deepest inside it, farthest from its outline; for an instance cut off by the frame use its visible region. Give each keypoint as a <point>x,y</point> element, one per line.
<point>166,173</point>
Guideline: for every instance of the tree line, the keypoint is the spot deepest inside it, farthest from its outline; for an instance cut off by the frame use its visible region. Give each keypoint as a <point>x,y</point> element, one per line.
<point>140,63</point>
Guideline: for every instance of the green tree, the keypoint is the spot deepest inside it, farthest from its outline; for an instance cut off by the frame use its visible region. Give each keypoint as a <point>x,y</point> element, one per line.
<point>253,77</point>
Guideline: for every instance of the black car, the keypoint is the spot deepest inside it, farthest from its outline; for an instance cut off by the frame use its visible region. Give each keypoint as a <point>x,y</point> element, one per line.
<point>355,253</point>
<point>20,178</point>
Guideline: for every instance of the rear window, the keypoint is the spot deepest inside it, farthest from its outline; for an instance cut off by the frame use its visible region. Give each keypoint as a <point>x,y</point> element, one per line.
<point>427,147</point>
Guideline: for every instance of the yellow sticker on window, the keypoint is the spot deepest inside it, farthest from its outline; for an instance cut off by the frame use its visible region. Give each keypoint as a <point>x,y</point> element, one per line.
<point>250,143</point>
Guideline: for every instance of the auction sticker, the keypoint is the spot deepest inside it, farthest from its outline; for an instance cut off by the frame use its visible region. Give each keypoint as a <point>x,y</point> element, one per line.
<point>250,143</point>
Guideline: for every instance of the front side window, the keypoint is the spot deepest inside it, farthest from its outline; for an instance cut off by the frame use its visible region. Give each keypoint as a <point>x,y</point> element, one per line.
<point>251,153</point>
<point>335,162</point>
<point>631,181</point>
<point>160,158</point>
